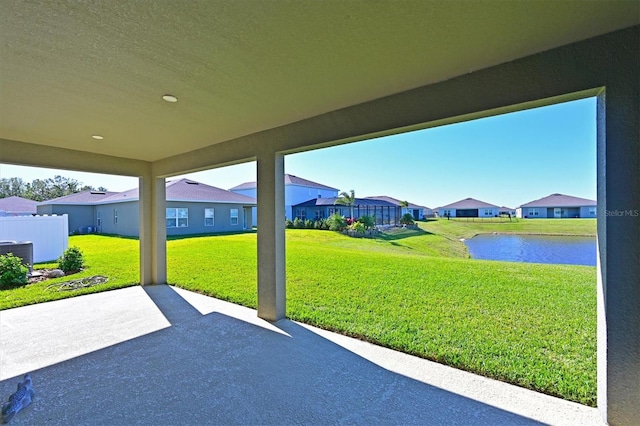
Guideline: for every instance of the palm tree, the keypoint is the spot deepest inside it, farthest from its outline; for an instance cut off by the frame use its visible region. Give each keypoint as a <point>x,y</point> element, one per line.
<point>347,200</point>
<point>404,205</point>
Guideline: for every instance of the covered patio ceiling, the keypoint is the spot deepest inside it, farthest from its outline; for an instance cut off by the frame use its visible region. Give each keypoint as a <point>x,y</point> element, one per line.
<point>71,70</point>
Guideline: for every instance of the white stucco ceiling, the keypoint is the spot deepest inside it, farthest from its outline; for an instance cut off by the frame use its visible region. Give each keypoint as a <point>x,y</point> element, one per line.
<point>69,70</point>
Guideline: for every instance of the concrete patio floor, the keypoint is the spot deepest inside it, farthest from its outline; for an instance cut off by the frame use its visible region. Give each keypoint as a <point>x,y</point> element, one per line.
<point>165,356</point>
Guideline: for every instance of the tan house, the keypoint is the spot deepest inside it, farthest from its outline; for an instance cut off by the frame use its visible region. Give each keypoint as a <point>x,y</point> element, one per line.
<point>158,89</point>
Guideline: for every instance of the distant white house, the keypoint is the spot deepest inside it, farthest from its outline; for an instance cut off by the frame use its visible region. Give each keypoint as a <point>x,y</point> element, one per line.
<point>17,206</point>
<point>469,207</point>
<point>558,206</point>
<point>296,190</point>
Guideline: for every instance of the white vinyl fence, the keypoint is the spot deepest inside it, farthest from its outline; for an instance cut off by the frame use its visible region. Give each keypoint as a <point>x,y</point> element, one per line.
<point>49,234</point>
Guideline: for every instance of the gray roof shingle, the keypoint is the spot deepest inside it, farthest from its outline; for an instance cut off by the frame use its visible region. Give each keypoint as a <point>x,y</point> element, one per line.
<point>560,200</point>
<point>16,204</point>
<point>469,203</point>
<point>83,197</point>
<point>176,190</point>
<point>288,180</point>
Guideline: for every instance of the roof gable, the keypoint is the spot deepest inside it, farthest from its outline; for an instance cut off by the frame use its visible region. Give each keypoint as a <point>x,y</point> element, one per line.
<point>469,203</point>
<point>176,190</point>
<point>83,197</point>
<point>188,191</point>
<point>288,180</point>
<point>560,200</point>
<point>16,204</point>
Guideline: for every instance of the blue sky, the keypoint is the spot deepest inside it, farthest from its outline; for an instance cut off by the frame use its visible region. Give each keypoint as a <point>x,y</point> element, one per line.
<point>507,160</point>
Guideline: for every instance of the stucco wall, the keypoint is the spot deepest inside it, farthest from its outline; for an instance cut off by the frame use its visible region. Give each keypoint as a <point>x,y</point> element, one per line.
<point>586,212</point>
<point>79,216</point>
<point>222,218</point>
<point>128,218</point>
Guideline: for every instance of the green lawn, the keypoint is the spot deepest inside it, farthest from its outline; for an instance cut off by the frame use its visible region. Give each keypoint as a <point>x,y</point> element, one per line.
<point>529,324</point>
<point>116,258</point>
<point>462,228</point>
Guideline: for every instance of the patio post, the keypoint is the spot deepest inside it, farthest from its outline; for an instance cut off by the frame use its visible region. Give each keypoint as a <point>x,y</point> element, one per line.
<point>271,239</point>
<point>153,234</point>
<point>619,244</point>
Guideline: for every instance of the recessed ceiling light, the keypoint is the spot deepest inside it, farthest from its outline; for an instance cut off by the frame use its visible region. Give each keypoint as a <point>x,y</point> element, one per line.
<point>98,137</point>
<point>170,98</point>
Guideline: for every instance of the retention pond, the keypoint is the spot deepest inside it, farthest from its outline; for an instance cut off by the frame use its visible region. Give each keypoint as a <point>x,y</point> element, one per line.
<point>534,248</point>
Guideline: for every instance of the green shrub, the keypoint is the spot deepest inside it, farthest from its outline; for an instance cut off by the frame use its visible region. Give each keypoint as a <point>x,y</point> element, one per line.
<point>336,222</point>
<point>358,227</point>
<point>288,223</point>
<point>407,219</point>
<point>71,260</point>
<point>298,223</point>
<point>368,221</point>
<point>308,224</point>
<point>12,271</point>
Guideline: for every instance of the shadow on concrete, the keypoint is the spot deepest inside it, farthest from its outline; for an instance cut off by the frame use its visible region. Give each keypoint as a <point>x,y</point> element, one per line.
<point>216,369</point>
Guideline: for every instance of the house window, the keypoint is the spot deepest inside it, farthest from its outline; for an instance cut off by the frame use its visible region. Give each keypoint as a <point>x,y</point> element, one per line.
<point>177,217</point>
<point>333,211</point>
<point>301,214</point>
<point>115,216</point>
<point>592,211</point>
<point>318,214</point>
<point>488,212</point>
<point>208,217</point>
<point>99,220</point>
<point>447,212</point>
<point>534,212</point>
<point>234,216</point>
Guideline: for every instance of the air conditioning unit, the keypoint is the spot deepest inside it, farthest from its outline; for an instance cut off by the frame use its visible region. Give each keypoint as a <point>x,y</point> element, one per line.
<point>21,249</point>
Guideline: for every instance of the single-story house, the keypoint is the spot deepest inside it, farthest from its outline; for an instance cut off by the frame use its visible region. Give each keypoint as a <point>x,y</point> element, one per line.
<point>17,206</point>
<point>558,206</point>
<point>504,210</point>
<point>191,208</point>
<point>79,208</point>
<point>384,212</point>
<point>418,212</point>
<point>469,207</point>
<point>296,190</point>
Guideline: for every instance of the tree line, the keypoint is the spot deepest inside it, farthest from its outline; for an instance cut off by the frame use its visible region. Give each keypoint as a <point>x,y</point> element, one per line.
<point>42,189</point>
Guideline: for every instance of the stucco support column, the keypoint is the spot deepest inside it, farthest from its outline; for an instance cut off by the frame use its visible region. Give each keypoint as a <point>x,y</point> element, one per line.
<point>271,242</point>
<point>153,234</point>
<point>619,248</point>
